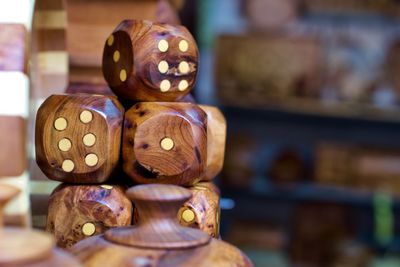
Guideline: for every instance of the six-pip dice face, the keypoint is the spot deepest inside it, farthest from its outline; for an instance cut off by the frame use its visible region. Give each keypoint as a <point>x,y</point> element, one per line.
<point>147,61</point>
<point>202,210</point>
<point>78,137</point>
<point>165,143</point>
<point>80,211</point>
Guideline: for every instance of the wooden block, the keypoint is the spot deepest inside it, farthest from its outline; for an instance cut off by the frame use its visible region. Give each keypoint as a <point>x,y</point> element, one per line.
<point>77,212</point>
<point>78,137</point>
<point>49,61</point>
<point>13,47</point>
<point>252,69</point>
<point>202,210</point>
<point>165,143</point>
<point>167,75</point>
<point>216,138</point>
<point>271,13</point>
<point>14,109</point>
<point>12,142</point>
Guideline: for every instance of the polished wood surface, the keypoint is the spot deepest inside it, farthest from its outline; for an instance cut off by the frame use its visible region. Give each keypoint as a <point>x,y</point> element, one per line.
<point>12,142</point>
<point>146,61</point>
<point>27,248</point>
<point>80,211</point>
<point>216,138</point>
<point>97,251</point>
<point>78,137</point>
<point>157,226</point>
<point>165,143</point>
<point>202,210</point>
<point>158,239</point>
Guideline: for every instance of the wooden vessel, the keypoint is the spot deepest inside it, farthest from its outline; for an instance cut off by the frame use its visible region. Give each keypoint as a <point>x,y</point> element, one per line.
<point>27,248</point>
<point>158,239</point>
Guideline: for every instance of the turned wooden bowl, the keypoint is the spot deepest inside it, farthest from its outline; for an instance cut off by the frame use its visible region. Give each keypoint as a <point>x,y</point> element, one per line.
<point>157,239</point>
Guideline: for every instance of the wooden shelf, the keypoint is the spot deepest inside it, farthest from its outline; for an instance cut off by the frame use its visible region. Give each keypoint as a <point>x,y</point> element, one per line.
<point>317,108</point>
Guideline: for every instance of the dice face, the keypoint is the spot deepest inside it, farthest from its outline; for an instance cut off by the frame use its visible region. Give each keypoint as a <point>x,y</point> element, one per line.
<point>80,211</point>
<point>146,61</point>
<point>78,137</point>
<point>202,211</point>
<point>165,143</point>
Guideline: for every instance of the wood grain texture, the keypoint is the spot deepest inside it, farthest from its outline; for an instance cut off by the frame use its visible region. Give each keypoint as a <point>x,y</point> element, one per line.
<point>12,142</point>
<point>13,49</point>
<point>157,226</point>
<point>204,205</point>
<point>147,125</point>
<point>147,243</point>
<point>216,139</point>
<point>80,163</point>
<point>27,248</point>
<point>90,22</point>
<point>143,46</point>
<point>71,207</point>
<point>49,58</point>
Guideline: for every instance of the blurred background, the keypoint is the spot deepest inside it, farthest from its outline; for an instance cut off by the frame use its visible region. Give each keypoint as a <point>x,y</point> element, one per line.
<point>310,90</point>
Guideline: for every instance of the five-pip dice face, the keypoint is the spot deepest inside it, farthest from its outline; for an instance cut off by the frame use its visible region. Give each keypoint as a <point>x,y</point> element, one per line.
<point>202,210</point>
<point>146,61</point>
<point>80,211</point>
<point>165,143</point>
<point>78,137</point>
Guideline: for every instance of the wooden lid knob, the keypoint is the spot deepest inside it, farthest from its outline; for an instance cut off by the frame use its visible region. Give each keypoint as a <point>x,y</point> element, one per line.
<point>158,226</point>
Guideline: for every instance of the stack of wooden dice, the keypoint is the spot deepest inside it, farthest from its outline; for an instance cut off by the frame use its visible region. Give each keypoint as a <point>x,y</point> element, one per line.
<point>152,132</point>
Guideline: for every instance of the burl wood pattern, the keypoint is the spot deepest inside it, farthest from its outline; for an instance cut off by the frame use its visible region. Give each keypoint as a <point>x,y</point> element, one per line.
<point>146,61</point>
<point>202,210</point>
<point>13,47</point>
<point>165,143</point>
<point>216,138</point>
<point>12,142</point>
<point>78,137</point>
<point>80,211</point>
<point>21,247</point>
<point>158,239</point>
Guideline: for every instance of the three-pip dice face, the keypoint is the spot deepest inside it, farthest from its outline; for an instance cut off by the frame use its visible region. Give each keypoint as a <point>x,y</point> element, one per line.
<point>146,61</point>
<point>165,143</point>
<point>202,210</point>
<point>80,211</point>
<point>78,137</point>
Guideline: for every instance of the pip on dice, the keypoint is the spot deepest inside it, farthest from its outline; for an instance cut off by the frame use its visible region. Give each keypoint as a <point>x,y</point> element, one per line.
<point>88,142</point>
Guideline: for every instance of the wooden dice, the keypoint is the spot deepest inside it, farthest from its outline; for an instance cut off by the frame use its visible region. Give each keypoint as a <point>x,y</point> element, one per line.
<point>216,138</point>
<point>165,143</point>
<point>79,211</point>
<point>202,210</point>
<point>146,61</point>
<point>78,137</point>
